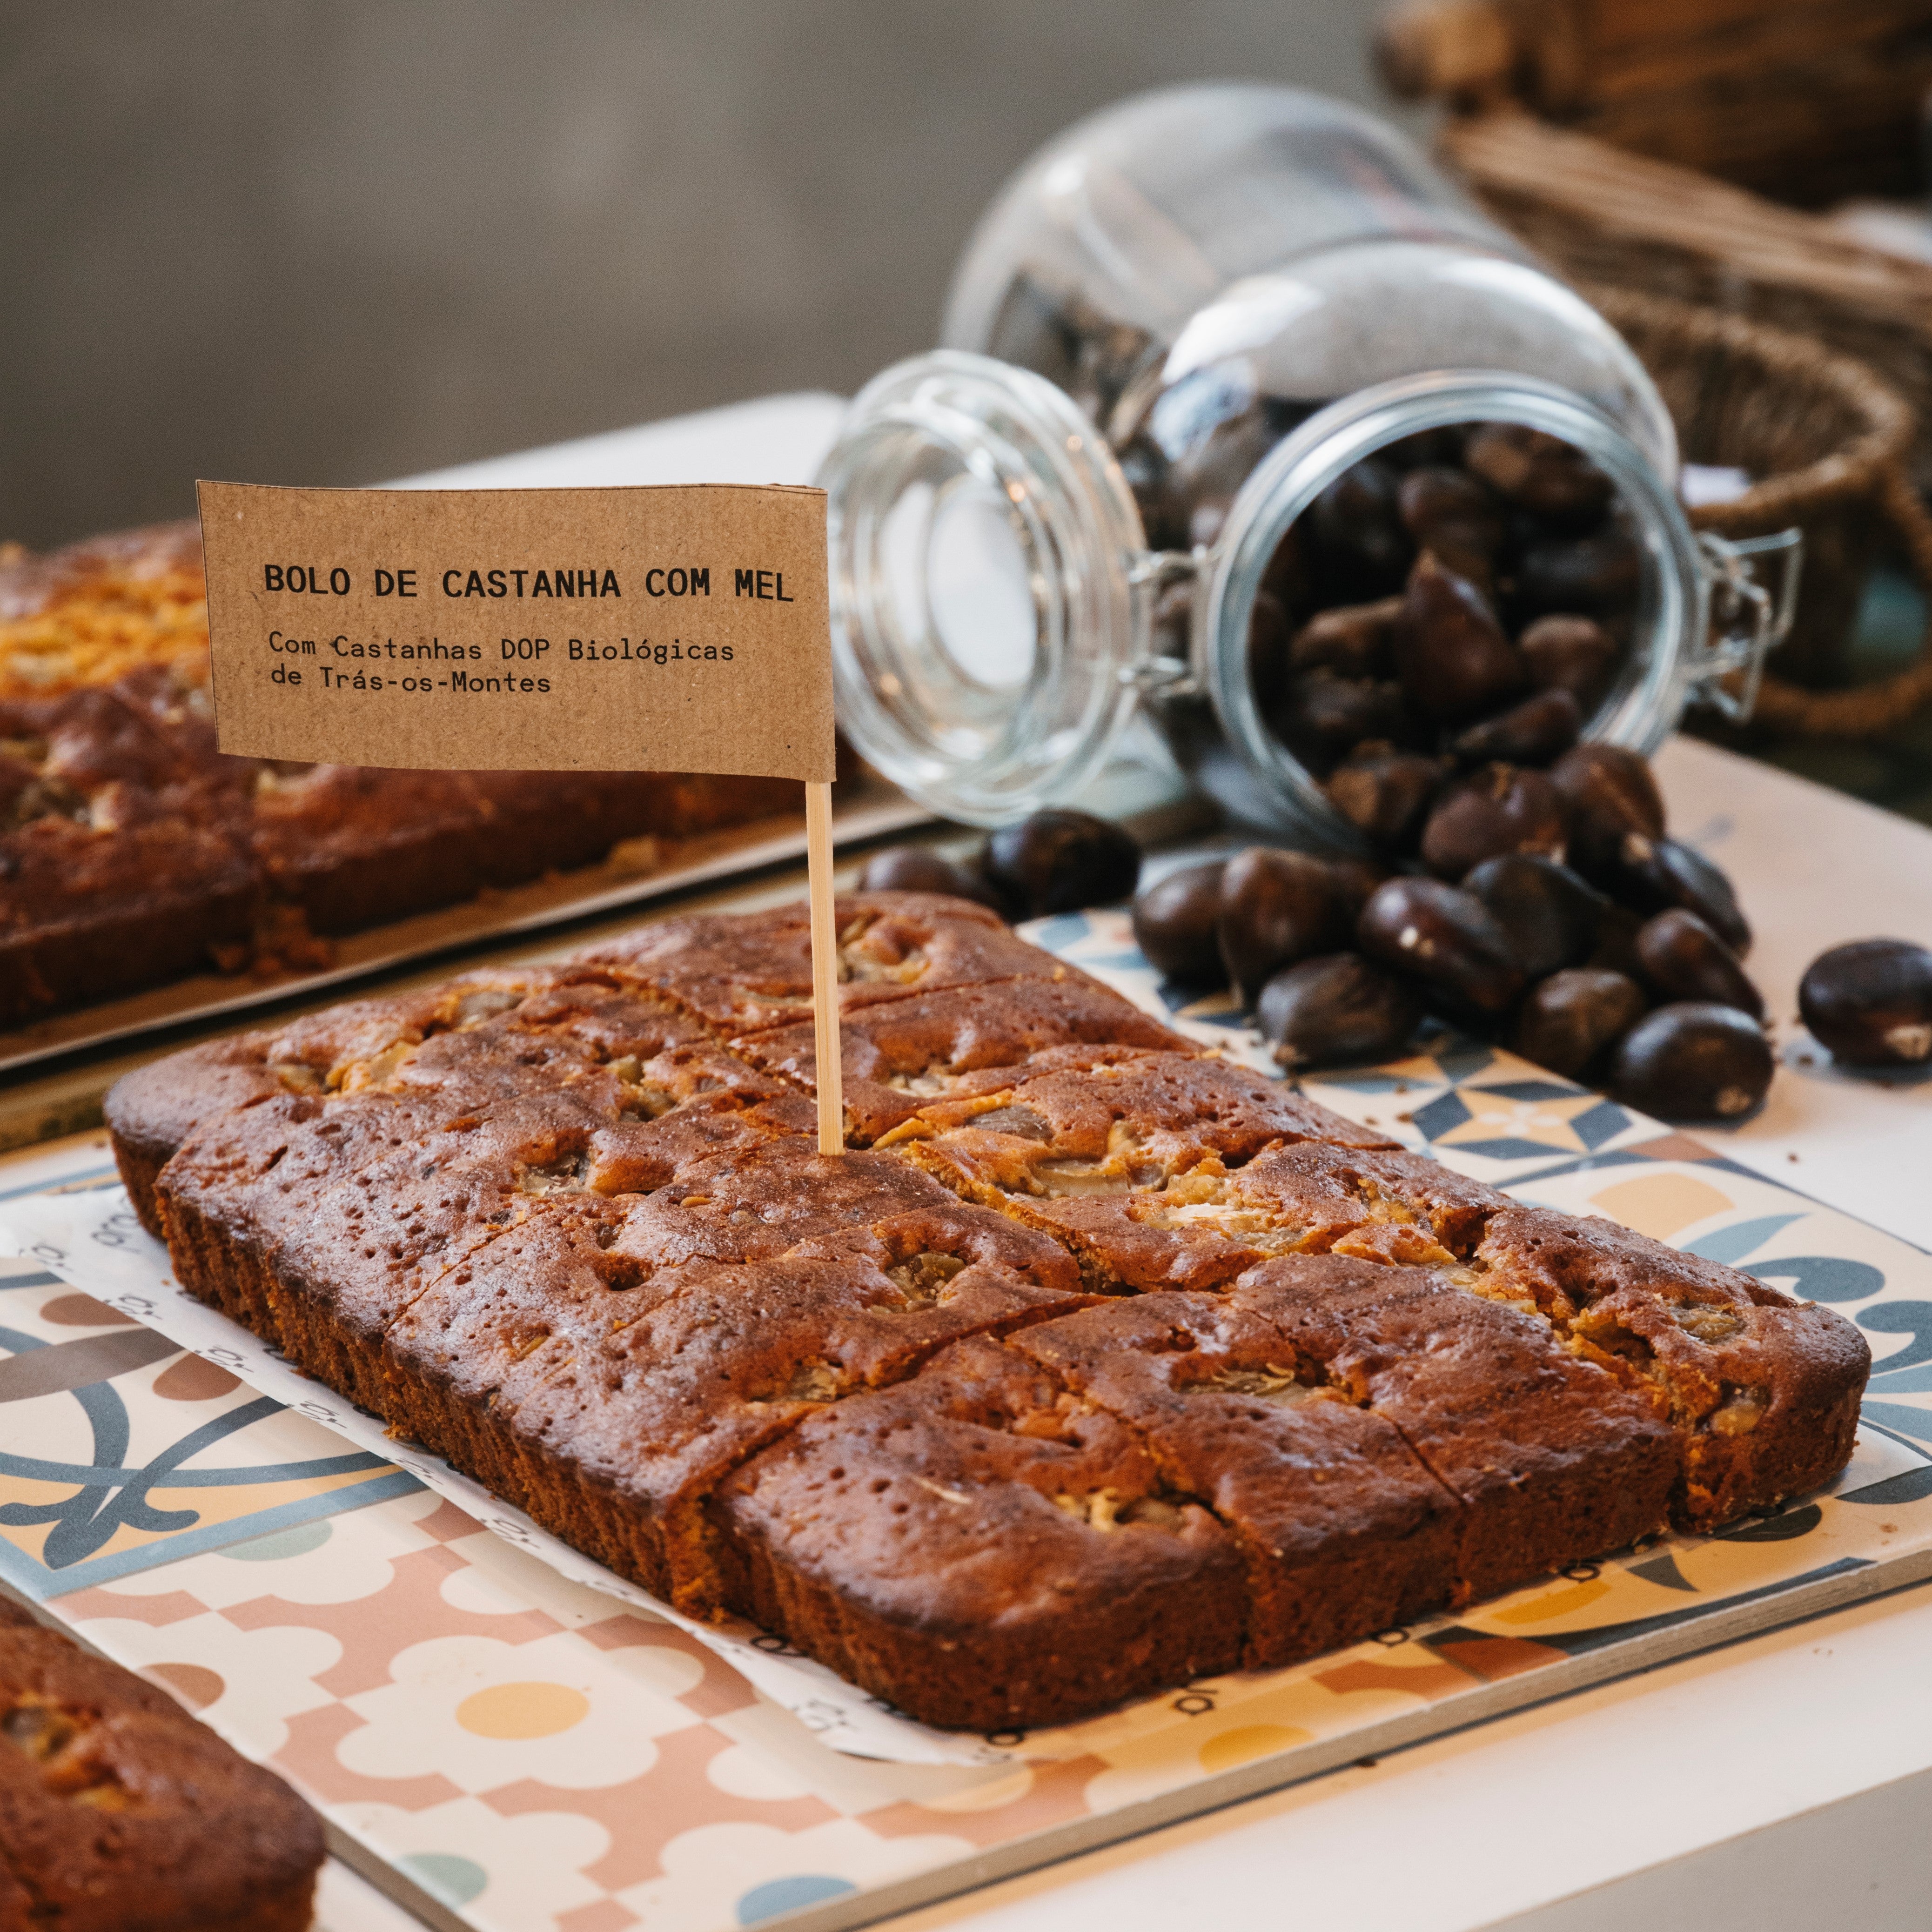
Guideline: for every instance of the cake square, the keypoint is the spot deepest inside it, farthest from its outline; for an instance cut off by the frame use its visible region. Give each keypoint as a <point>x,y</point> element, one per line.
<point>758,1200</point>
<point>1093,1122</point>
<point>1552,1459</point>
<point>982,1547</point>
<point>1345,1531</point>
<point>741,974</point>
<point>1133,1226</point>
<point>1764,1390</point>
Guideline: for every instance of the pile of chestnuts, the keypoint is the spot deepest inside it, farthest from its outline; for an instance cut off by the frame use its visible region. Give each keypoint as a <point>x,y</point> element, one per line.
<point>1578,932</point>
<point>1611,954</point>
<point>1430,641</point>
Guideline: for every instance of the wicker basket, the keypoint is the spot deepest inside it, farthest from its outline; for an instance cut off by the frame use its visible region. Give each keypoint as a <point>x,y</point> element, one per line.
<point>1677,148</point>
<point>1827,442</point>
<point>1598,214</point>
<point>1805,101</point>
<point>1636,147</point>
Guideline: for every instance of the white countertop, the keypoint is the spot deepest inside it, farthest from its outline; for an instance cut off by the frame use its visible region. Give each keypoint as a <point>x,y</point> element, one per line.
<point>1781,1782</point>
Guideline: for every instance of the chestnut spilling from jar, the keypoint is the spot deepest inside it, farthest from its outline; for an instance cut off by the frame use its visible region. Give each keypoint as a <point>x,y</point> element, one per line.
<point>1576,966</point>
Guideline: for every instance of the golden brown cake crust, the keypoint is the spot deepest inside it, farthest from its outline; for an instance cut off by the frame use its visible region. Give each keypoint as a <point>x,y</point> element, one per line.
<point>1111,1363</point>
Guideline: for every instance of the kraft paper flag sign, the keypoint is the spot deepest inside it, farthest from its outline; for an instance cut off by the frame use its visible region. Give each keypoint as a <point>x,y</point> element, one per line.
<point>672,628</point>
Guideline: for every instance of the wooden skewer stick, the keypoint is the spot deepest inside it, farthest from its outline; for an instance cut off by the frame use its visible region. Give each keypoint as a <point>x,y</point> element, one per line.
<point>824,971</point>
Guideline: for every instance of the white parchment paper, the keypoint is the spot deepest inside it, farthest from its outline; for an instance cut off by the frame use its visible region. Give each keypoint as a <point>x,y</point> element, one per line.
<point>93,1239</point>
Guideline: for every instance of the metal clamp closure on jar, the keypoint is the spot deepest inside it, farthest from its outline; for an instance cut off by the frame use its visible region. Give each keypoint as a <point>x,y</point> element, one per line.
<point>1749,619</point>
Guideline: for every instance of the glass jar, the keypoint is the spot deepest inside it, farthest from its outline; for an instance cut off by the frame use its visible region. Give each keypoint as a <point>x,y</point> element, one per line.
<point>1177,326</point>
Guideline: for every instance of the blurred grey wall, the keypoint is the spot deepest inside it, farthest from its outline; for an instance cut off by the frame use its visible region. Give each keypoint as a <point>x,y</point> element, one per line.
<point>335,241</point>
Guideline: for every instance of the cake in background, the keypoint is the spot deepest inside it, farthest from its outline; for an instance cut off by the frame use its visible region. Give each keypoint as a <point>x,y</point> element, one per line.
<point>133,852</point>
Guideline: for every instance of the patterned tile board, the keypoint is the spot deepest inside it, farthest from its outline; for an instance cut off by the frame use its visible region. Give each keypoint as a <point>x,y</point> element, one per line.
<point>542,1758</point>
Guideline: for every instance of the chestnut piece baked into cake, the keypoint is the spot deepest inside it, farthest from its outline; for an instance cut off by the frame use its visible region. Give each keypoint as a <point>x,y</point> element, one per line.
<point>133,852</point>
<point>1098,1363</point>
<point>117,1810</point>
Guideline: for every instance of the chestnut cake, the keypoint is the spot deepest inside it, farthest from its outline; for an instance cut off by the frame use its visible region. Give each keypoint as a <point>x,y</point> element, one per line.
<point>133,852</point>
<point>117,1809</point>
<point>1097,1364</point>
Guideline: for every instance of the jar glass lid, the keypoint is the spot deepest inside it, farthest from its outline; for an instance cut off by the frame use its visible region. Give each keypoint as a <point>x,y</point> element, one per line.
<point>985,615</point>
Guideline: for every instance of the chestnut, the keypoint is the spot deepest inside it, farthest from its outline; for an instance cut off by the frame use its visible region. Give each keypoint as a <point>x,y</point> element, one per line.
<point>1551,916</point>
<point>1540,473</point>
<point>1444,936</point>
<point>1351,640</point>
<point>1653,874</point>
<point>1059,861</point>
<point>1451,653</point>
<point>1364,550</point>
<point>1593,574</point>
<point>1176,925</point>
<point>1335,1008</point>
<point>1453,514</point>
<point>1684,959</point>
<point>1322,718</point>
<point>1500,808</point>
<point>1385,793</point>
<point>1870,1002</point>
<point>918,869</point>
<point>1532,733</point>
<point>1566,652</point>
<point>1568,1020</point>
<point>1610,792</point>
<point>1276,907</point>
<point>1693,1060</point>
